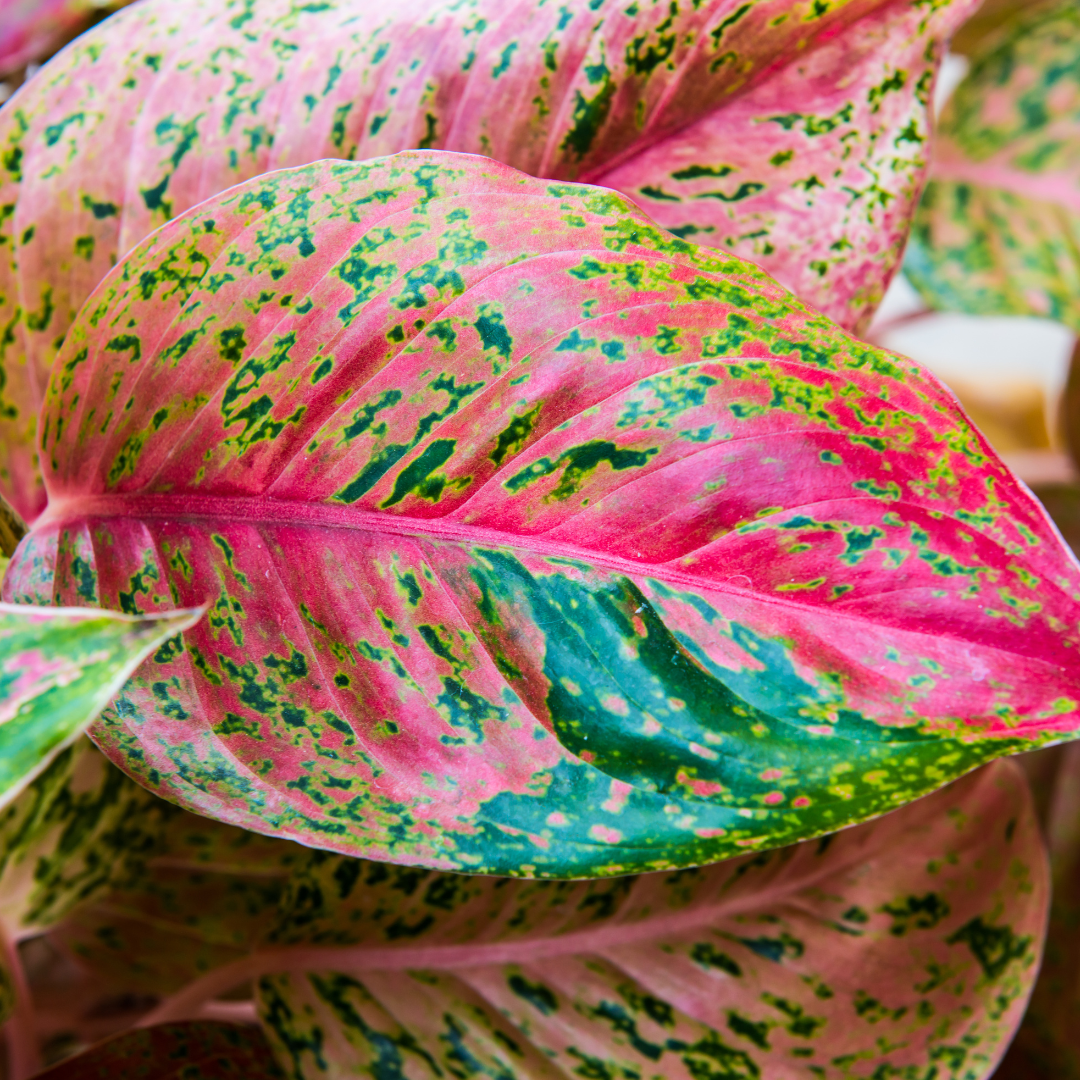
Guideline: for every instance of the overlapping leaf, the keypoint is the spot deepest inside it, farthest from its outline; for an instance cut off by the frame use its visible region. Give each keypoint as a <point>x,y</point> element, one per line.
<point>192,1050</point>
<point>58,670</point>
<point>903,947</point>
<point>32,30</point>
<point>536,540</point>
<point>79,829</point>
<point>209,894</point>
<point>791,131</point>
<point>998,228</point>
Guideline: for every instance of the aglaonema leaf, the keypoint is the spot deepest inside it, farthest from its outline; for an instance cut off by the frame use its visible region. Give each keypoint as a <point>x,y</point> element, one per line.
<point>209,894</point>
<point>189,1050</point>
<point>906,946</point>
<point>535,539</point>
<point>78,830</point>
<point>790,131</point>
<point>997,229</point>
<point>58,670</point>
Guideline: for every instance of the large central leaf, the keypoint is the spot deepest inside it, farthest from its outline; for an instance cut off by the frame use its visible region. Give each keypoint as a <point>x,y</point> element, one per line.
<point>535,539</point>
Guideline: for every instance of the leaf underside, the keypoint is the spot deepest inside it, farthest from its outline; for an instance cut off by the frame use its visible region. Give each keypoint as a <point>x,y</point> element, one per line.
<point>793,132</point>
<point>535,540</point>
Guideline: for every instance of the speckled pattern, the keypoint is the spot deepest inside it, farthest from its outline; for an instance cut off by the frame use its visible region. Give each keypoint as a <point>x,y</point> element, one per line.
<point>998,230</point>
<point>904,947</point>
<point>58,669</point>
<point>793,132</point>
<point>80,829</point>
<point>535,540</point>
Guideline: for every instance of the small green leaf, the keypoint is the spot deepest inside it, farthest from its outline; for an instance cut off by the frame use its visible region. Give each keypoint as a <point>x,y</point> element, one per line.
<point>58,669</point>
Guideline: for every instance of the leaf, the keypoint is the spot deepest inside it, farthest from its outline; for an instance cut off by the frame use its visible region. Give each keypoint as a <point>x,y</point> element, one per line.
<point>900,947</point>
<point>32,30</point>
<point>79,829</point>
<point>209,894</point>
<point>998,226</point>
<point>1047,1043</point>
<point>535,540</point>
<point>792,131</point>
<point>58,670</point>
<point>192,1050</point>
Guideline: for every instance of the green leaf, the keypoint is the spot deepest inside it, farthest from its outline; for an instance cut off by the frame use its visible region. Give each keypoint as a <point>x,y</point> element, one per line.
<point>59,667</point>
<point>998,228</point>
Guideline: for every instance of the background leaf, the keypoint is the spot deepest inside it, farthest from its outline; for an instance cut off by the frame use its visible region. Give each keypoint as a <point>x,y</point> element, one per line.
<point>32,30</point>
<point>907,944</point>
<point>58,670</point>
<point>191,1050</point>
<point>790,131</point>
<point>999,223</point>
<point>562,549</point>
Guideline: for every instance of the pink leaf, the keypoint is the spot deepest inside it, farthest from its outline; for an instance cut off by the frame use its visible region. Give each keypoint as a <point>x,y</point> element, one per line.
<point>535,539</point>
<point>904,946</point>
<point>790,131</point>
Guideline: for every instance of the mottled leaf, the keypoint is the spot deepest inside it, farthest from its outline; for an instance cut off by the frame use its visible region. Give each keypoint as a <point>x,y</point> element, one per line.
<point>791,131</point>
<point>998,228</point>
<point>58,670</point>
<point>209,894</point>
<point>905,947</point>
<point>80,829</point>
<point>1047,1045</point>
<point>32,30</point>
<point>535,539</point>
<point>191,1050</point>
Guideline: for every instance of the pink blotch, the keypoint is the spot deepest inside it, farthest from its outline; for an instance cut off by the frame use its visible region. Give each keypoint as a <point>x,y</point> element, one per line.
<point>801,802</point>
<point>774,797</point>
<point>605,834</point>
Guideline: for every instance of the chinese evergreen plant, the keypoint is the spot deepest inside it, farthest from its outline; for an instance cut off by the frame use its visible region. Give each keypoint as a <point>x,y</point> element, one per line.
<point>489,566</point>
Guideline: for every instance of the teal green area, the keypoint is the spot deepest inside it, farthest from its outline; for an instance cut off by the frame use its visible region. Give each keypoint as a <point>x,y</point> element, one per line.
<point>707,750</point>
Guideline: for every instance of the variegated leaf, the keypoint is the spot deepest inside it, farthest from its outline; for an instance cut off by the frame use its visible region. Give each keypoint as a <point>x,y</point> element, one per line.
<point>191,1050</point>
<point>32,30</point>
<point>536,540</point>
<point>793,132</point>
<point>905,947</point>
<point>78,830</point>
<point>999,225</point>
<point>58,670</point>
<point>209,894</point>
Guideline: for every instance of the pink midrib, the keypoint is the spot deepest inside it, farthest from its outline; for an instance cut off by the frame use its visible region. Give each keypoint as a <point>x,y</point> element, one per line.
<point>268,511</point>
<point>362,958</point>
<point>264,510</point>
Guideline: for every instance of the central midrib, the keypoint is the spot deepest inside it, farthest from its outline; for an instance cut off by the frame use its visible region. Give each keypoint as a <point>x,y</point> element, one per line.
<point>270,511</point>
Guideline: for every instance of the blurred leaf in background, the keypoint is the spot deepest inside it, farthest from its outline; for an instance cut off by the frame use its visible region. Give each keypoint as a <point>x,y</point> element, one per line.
<point>32,30</point>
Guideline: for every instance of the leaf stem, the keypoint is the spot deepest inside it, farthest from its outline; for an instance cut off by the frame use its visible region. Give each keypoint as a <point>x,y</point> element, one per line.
<point>12,528</point>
